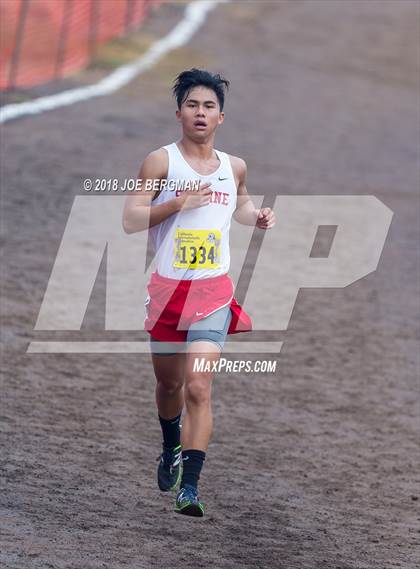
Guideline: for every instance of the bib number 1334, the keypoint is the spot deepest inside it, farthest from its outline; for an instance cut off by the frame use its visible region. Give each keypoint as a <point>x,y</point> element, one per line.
<point>197,248</point>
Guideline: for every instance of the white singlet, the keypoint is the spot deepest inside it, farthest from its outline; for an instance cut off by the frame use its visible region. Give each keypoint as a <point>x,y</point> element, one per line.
<point>194,243</point>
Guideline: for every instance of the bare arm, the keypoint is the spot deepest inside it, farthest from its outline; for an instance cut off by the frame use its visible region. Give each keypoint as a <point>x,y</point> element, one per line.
<point>139,213</point>
<point>246,213</point>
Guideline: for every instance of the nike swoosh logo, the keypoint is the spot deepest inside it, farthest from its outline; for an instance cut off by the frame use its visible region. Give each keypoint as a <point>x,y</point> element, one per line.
<point>222,179</point>
<point>199,313</point>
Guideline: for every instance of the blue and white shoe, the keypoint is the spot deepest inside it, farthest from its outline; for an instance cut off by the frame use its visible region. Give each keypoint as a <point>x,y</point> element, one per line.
<point>188,502</point>
<point>169,472</point>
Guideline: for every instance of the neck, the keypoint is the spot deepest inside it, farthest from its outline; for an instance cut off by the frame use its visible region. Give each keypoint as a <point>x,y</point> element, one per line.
<point>202,150</point>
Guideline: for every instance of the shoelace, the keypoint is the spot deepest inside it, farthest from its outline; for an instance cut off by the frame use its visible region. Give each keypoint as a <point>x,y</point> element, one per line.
<point>170,458</point>
<point>189,493</point>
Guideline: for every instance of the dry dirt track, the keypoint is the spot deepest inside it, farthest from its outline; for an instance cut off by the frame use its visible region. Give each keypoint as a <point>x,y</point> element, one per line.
<point>314,467</point>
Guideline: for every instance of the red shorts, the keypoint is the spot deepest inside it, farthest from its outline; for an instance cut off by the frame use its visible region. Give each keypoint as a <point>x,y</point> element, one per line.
<point>173,305</point>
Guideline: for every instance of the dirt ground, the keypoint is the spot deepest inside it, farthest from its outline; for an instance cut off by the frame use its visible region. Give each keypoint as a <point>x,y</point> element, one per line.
<point>315,466</point>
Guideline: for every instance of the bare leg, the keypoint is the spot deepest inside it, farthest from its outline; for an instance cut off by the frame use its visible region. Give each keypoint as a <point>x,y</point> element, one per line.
<point>169,372</point>
<point>197,425</point>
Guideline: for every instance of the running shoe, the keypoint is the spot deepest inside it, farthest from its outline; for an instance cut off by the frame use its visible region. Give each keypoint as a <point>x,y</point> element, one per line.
<point>169,470</point>
<point>188,502</point>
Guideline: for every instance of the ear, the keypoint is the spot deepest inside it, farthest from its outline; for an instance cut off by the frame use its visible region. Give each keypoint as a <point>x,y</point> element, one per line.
<point>178,114</point>
<point>221,117</point>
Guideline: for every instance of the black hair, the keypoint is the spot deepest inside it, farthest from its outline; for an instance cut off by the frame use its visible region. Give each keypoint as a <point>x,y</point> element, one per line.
<point>191,78</point>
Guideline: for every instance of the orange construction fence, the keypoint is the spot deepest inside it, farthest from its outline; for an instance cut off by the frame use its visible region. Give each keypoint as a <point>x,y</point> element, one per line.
<point>42,40</point>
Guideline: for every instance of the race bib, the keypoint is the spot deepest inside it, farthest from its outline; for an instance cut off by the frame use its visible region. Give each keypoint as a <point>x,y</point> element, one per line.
<point>197,248</point>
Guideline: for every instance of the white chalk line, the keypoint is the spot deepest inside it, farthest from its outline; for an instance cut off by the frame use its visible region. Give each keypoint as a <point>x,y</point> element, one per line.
<point>194,16</point>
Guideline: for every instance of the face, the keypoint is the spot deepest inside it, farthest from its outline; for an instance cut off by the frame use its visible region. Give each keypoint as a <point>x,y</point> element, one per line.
<point>200,113</point>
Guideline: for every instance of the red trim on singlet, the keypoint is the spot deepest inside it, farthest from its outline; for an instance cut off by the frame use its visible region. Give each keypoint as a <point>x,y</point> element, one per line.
<point>173,305</point>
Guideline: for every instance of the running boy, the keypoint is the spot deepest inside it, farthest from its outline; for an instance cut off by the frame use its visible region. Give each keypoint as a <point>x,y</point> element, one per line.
<point>190,307</point>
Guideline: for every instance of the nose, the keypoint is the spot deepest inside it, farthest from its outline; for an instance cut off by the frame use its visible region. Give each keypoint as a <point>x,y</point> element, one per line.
<point>200,111</point>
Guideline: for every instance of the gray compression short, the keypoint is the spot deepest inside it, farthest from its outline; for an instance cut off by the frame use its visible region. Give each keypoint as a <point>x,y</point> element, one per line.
<point>213,328</point>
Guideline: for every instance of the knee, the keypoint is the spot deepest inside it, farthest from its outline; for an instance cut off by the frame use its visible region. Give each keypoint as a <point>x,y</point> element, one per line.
<point>170,386</point>
<point>198,390</point>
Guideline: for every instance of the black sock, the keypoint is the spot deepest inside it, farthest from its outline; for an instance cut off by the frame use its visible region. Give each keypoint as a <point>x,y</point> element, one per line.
<point>171,431</point>
<point>192,463</point>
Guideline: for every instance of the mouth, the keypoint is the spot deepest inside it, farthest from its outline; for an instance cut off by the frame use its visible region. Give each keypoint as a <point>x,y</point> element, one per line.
<point>201,125</point>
